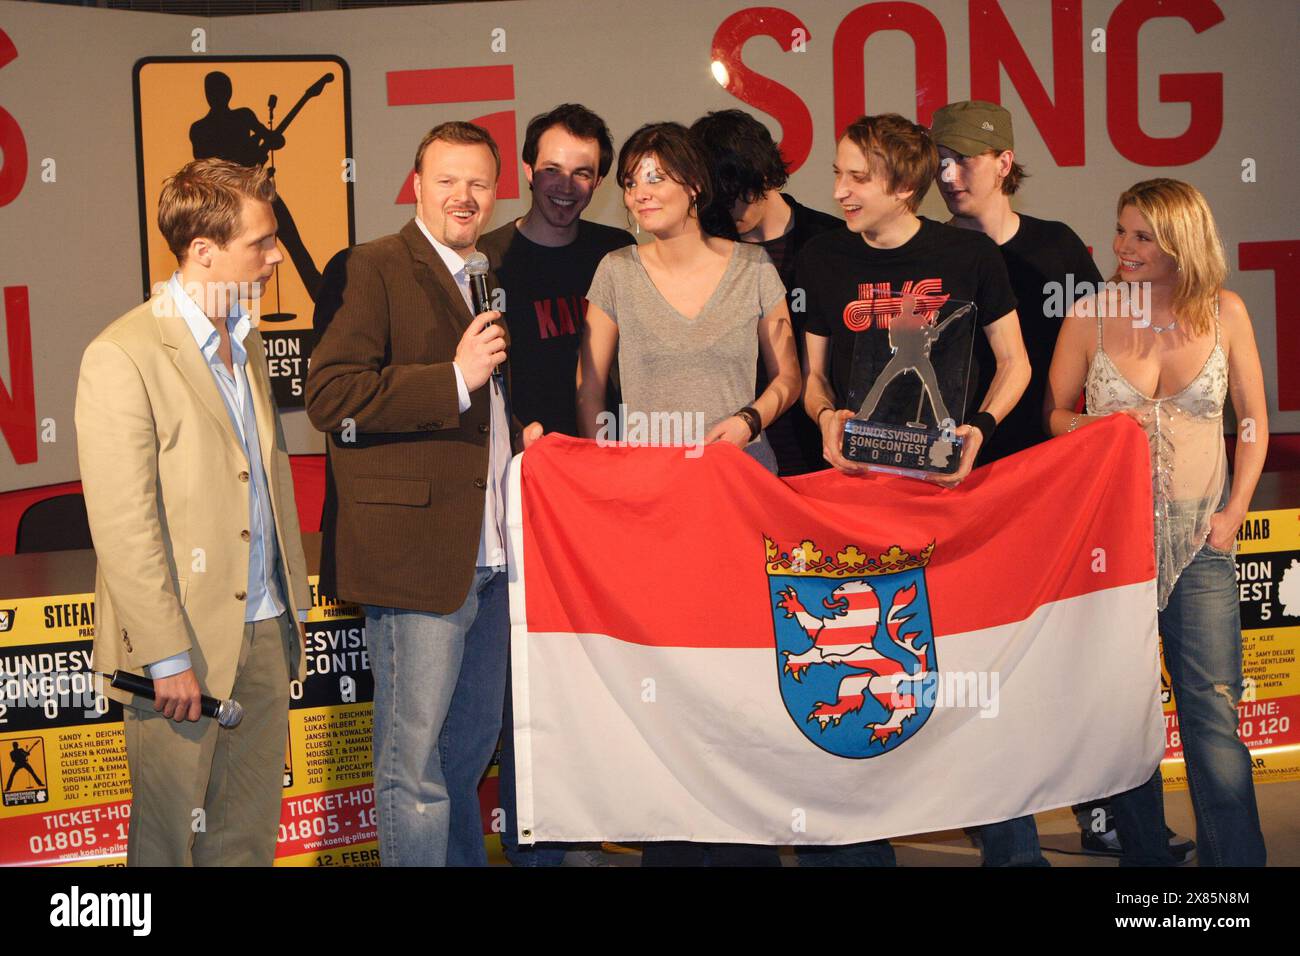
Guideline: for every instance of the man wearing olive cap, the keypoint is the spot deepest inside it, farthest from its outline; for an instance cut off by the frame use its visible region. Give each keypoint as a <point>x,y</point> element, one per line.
<point>978,175</point>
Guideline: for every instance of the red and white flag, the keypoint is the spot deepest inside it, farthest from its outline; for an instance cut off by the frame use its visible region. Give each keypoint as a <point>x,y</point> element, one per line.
<point>701,651</point>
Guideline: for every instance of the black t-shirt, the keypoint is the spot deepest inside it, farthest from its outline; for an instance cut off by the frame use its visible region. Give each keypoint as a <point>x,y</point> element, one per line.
<point>794,438</point>
<point>1044,260</point>
<point>839,273</point>
<point>546,288</point>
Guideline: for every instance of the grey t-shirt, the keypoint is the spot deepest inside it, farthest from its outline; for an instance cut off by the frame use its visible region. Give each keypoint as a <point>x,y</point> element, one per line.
<point>701,368</point>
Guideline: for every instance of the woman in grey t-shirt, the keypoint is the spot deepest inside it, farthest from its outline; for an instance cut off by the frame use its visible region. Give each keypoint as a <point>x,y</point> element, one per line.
<point>688,314</point>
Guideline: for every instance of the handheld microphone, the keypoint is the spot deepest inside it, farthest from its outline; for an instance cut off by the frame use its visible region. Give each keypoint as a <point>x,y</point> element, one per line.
<point>476,268</point>
<point>227,713</point>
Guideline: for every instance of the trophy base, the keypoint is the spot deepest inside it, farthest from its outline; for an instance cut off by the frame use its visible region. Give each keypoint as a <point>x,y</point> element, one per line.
<point>911,450</point>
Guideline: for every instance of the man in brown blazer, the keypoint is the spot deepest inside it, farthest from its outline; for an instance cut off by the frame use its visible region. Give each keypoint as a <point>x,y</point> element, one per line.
<point>419,438</point>
<point>190,499</point>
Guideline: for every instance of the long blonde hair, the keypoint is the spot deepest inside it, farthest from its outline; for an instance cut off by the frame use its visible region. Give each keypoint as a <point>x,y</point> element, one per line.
<point>1185,229</point>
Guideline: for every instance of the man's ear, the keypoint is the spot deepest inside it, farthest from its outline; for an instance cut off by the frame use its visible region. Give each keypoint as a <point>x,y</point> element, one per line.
<point>415,182</point>
<point>528,174</point>
<point>1005,159</point>
<point>200,250</point>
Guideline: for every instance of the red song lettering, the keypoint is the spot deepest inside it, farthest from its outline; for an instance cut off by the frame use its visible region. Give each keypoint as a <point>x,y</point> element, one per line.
<point>1203,92</point>
<point>1282,257</point>
<point>18,407</point>
<point>13,173</point>
<point>849,55</point>
<point>994,45</point>
<point>754,88</point>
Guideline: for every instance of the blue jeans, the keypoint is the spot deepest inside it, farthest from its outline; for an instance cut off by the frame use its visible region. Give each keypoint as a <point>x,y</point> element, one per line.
<point>1011,843</point>
<point>681,853</point>
<point>439,689</point>
<point>1201,629</point>
<point>873,853</point>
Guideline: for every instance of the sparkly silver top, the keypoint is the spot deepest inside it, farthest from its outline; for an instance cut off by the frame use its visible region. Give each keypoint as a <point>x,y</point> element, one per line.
<point>1189,465</point>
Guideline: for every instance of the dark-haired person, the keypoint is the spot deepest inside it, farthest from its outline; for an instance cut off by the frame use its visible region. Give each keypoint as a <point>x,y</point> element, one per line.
<point>748,175</point>
<point>544,262</point>
<point>883,167</point>
<point>689,314</point>
<point>418,443</point>
<point>182,455</point>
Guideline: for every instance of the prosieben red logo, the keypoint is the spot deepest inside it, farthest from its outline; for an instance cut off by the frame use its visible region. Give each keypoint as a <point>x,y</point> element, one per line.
<point>878,303</point>
<point>463,84</point>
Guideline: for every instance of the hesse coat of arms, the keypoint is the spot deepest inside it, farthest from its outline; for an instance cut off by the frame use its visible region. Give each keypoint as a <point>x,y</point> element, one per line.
<point>854,645</point>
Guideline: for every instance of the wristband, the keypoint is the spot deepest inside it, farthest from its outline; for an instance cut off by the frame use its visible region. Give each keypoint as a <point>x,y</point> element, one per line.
<point>752,419</point>
<point>986,423</point>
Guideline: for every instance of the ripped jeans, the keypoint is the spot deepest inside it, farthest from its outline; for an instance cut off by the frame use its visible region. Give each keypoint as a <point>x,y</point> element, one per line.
<point>1201,629</point>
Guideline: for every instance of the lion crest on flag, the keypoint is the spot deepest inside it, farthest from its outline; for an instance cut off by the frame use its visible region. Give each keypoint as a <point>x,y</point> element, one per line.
<point>854,645</point>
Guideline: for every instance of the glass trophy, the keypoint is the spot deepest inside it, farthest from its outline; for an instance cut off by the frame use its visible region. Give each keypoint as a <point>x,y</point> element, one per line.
<point>909,381</point>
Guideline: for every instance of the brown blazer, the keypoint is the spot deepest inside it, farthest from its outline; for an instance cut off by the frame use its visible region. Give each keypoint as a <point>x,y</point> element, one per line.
<point>166,485</point>
<point>404,496</point>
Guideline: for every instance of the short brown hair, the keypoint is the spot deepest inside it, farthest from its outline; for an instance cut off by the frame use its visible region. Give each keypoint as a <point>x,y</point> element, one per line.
<point>455,131</point>
<point>205,198</point>
<point>679,155</point>
<point>899,150</point>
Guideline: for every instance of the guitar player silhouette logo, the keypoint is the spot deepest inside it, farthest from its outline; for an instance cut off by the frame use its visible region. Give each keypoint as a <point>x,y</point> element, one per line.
<point>287,114</point>
<point>238,136</point>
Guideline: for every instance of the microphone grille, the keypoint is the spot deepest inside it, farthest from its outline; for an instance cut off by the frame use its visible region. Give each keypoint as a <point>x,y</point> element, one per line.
<point>230,713</point>
<point>476,264</point>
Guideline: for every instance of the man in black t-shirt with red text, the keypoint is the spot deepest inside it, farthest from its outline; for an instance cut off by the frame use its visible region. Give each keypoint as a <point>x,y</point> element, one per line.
<point>883,167</point>
<point>544,262</point>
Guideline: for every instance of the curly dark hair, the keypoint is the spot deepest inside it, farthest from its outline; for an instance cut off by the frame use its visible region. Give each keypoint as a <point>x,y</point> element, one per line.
<point>745,160</point>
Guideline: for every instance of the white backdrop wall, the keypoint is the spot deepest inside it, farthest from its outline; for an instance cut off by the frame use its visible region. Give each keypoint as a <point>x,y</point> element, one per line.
<point>70,242</point>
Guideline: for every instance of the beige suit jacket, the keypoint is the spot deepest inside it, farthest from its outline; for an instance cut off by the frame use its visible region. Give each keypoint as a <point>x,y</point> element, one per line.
<point>166,485</point>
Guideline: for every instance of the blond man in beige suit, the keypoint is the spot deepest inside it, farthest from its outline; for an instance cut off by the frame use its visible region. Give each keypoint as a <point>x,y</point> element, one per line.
<point>201,579</point>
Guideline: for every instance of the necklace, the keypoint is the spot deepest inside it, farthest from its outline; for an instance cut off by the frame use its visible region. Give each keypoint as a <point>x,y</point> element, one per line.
<point>1158,329</point>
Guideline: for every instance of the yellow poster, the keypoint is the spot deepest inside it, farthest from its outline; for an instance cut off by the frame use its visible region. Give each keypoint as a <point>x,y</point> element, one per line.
<point>63,768</point>
<point>289,115</point>
<point>1268,585</point>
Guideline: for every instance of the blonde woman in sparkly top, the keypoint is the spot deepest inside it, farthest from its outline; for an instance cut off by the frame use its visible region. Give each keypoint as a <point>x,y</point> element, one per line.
<point>1168,352</point>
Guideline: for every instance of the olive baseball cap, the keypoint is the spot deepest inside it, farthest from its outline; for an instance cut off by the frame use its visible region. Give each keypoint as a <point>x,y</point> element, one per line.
<point>972,126</point>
